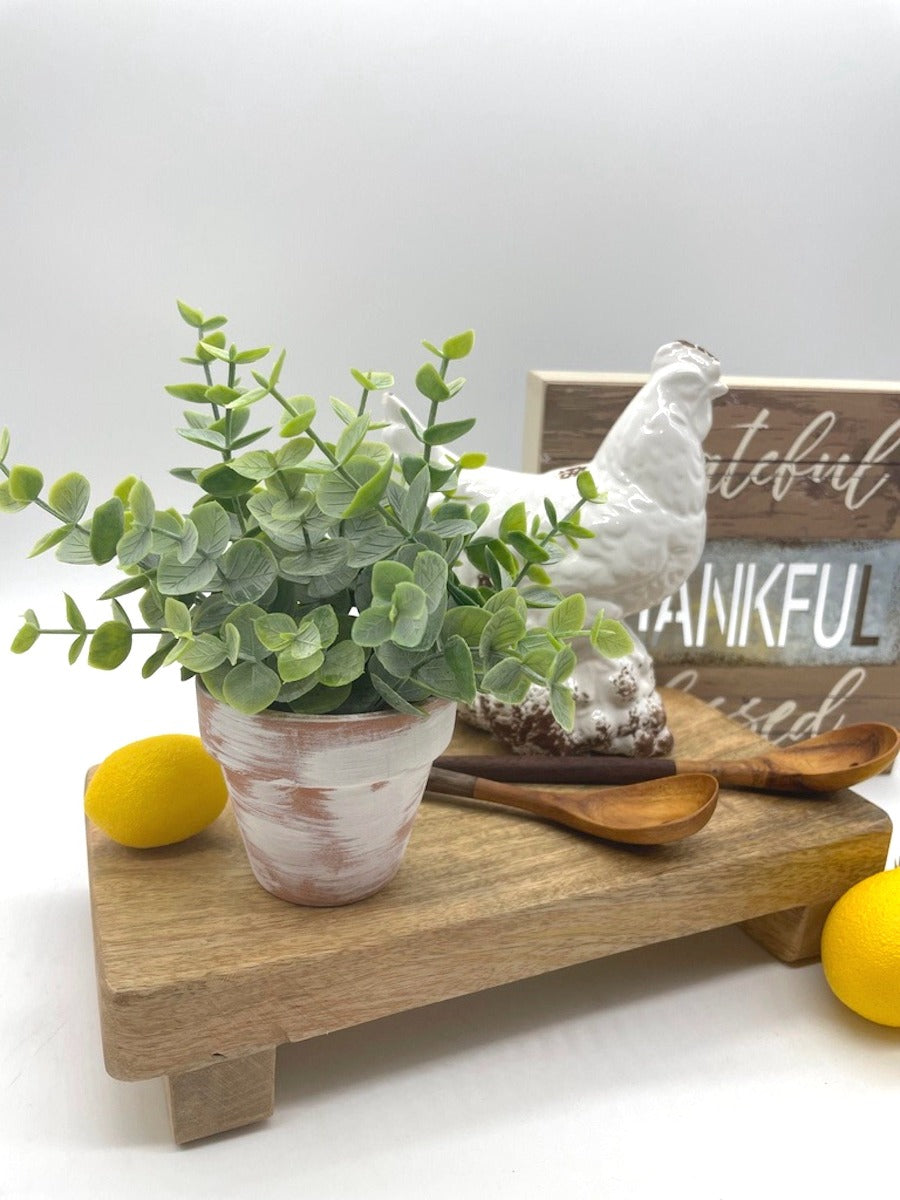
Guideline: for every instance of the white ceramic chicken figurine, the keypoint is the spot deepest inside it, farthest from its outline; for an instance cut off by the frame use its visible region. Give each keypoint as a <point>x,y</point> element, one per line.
<point>649,536</point>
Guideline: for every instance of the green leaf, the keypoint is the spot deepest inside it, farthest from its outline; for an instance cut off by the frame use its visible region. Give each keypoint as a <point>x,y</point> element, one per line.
<point>76,647</point>
<point>249,356</point>
<point>370,493</point>
<point>208,438</point>
<point>563,665</point>
<point>568,616</point>
<point>69,497</point>
<point>124,586</point>
<point>528,548</point>
<point>275,630</point>
<point>372,626</point>
<point>587,489</point>
<point>158,657</point>
<point>610,638</point>
<point>389,694</point>
<point>257,464</point>
<point>110,645</point>
<point>123,488</point>
<point>142,504</point>
<point>214,350</point>
<point>192,316</point>
<point>416,499</point>
<point>75,548</point>
<point>247,569</point>
<point>344,662</point>
<point>203,653</point>
<point>322,559</point>
<point>514,519</point>
<point>251,687</point>
<point>25,638</point>
<point>507,681</point>
<point>107,526</point>
<point>373,381</point>
<point>467,622</point>
<point>222,395</point>
<point>440,435</point>
<point>303,412</point>
<point>232,643</point>
<point>336,495</point>
<point>326,622</point>
<point>458,657</point>
<point>562,705</point>
<point>25,484</point>
<point>293,667</point>
<point>73,615</point>
<point>430,572</point>
<point>459,346</point>
<point>213,528</point>
<point>49,540</point>
<point>471,461</point>
<point>386,576</point>
<point>430,384</point>
<point>4,443</point>
<point>194,393</point>
<point>502,632</point>
<point>177,617</point>
<point>174,578</point>
<point>7,504</point>
<point>247,399</point>
<point>244,618</point>
<point>275,373</point>
<point>351,437</point>
<point>409,611</point>
<point>134,546</point>
<point>221,480</point>
<point>540,597</point>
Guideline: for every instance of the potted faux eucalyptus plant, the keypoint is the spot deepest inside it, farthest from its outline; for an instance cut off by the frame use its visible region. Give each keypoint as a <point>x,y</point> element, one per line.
<point>311,591</point>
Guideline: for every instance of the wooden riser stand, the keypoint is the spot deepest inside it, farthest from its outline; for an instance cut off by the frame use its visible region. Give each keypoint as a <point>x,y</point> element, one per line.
<point>202,974</point>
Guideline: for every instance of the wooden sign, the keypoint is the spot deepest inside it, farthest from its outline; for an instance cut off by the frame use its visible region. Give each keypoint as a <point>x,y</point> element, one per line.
<point>791,622</point>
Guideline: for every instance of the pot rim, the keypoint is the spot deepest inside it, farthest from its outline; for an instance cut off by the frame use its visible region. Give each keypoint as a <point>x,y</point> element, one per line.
<point>432,704</point>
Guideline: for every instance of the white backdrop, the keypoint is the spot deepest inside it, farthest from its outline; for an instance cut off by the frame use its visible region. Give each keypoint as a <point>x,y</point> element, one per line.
<point>580,180</point>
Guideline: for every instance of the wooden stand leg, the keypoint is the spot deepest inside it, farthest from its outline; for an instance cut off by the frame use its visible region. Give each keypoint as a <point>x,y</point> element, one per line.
<point>792,935</point>
<point>224,1095</point>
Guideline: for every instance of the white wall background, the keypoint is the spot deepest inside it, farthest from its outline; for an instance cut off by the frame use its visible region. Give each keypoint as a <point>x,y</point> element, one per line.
<point>578,179</point>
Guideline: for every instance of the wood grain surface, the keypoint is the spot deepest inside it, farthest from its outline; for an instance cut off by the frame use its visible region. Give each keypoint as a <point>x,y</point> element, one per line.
<point>197,965</point>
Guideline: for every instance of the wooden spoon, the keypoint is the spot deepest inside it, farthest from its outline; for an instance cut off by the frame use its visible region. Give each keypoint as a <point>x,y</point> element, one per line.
<point>833,760</point>
<point>646,814</point>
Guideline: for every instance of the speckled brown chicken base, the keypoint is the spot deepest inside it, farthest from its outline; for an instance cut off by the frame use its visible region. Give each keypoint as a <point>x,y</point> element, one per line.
<point>618,711</point>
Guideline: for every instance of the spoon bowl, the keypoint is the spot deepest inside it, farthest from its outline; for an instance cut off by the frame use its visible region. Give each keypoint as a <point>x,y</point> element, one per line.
<point>652,813</point>
<point>828,762</point>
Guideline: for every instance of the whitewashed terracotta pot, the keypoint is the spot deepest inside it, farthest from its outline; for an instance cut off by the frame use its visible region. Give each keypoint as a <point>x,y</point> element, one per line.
<point>325,804</point>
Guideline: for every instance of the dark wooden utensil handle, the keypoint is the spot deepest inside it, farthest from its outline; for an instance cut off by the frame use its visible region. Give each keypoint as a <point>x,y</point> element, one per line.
<point>563,769</point>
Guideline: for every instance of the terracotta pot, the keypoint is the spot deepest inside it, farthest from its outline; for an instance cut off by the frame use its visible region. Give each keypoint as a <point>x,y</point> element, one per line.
<point>325,805</point>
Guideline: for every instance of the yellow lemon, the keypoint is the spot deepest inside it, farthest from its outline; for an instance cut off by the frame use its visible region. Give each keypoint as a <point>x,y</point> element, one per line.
<point>861,948</point>
<point>156,791</point>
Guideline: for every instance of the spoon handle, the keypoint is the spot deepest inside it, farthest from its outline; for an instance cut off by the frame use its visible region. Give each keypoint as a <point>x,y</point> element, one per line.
<point>582,768</point>
<point>571,810</point>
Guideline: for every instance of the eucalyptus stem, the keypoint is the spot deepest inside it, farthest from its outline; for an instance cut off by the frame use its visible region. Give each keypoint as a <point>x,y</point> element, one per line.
<point>433,411</point>
<point>209,382</point>
<point>85,632</point>
<point>342,471</point>
<point>548,536</point>
<point>46,507</point>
